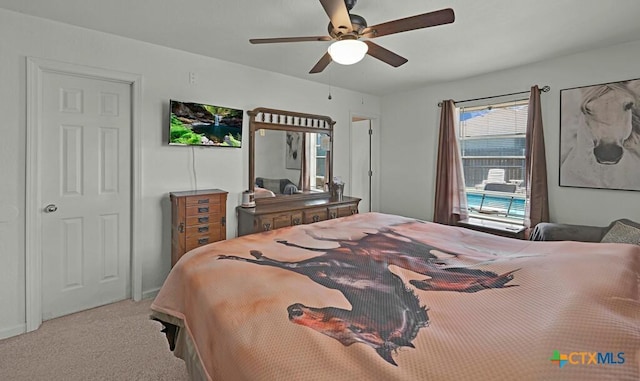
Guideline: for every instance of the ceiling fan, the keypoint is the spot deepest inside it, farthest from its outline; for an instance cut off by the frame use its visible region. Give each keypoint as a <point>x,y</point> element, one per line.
<point>347,30</point>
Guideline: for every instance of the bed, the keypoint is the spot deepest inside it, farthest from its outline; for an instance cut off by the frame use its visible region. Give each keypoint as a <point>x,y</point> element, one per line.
<point>377,296</point>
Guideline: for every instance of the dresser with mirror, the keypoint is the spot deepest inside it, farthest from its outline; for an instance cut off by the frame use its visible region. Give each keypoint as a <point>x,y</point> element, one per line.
<point>290,172</point>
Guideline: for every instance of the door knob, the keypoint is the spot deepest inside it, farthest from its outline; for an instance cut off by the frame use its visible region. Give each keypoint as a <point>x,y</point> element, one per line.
<point>50,208</point>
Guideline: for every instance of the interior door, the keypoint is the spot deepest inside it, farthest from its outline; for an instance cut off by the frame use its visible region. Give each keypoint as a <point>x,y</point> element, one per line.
<point>85,176</point>
<point>365,138</point>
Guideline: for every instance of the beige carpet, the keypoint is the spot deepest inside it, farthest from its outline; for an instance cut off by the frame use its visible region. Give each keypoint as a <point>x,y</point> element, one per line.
<point>113,342</point>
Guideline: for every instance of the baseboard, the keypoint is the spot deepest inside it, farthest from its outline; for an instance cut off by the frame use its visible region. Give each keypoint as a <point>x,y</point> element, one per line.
<point>13,331</point>
<point>150,293</point>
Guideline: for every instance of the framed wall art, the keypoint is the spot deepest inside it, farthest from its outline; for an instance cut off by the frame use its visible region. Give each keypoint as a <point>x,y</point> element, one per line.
<point>293,150</point>
<point>600,136</point>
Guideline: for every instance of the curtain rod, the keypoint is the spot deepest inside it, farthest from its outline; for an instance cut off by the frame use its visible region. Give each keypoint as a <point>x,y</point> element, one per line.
<point>544,89</point>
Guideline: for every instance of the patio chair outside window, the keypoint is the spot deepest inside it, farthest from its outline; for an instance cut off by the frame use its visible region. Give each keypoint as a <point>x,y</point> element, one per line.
<point>495,175</point>
<point>497,206</point>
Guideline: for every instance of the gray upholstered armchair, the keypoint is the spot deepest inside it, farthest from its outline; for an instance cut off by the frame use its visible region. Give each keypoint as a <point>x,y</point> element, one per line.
<point>617,231</point>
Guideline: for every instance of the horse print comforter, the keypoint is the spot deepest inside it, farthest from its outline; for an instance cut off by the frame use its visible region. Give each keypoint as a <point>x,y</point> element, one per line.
<point>383,297</point>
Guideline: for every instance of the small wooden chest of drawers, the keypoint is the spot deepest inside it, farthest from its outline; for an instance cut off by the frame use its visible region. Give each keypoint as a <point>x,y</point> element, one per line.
<point>197,218</point>
<point>282,214</point>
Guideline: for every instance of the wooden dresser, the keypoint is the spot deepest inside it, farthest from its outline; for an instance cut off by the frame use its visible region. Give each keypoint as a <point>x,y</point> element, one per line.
<point>271,216</point>
<point>197,218</point>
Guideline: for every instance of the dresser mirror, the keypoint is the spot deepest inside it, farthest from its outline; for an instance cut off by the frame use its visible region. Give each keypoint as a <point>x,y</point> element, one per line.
<point>289,155</point>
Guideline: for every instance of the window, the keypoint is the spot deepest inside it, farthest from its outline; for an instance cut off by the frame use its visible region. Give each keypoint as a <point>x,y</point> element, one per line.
<point>492,145</point>
<point>318,160</point>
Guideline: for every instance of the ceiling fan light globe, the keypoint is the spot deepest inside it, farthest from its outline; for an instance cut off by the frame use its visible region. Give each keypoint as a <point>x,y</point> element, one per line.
<point>348,52</point>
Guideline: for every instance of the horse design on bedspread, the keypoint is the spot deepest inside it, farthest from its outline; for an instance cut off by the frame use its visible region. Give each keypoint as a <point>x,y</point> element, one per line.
<point>385,314</point>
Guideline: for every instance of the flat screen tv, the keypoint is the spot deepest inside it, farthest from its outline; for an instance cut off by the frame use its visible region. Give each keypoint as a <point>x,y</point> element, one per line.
<point>197,124</point>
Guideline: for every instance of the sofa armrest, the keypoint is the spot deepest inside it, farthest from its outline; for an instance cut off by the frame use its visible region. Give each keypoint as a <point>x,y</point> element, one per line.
<point>290,189</point>
<point>551,231</point>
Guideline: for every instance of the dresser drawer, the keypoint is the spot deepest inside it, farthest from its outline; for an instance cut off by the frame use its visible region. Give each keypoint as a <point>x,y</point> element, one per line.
<point>202,229</point>
<point>314,215</point>
<point>203,209</point>
<point>196,239</point>
<point>271,222</point>
<point>276,221</point>
<point>202,200</point>
<point>203,219</point>
<point>297,218</point>
<point>342,211</point>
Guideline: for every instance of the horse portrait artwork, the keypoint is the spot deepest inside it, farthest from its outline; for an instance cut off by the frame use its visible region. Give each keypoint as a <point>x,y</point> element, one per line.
<point>293,150</point>
<point>600,136</point>
<point>386,313</point>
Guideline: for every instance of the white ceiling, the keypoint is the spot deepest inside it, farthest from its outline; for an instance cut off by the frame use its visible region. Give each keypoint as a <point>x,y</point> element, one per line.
<point>488,35</point>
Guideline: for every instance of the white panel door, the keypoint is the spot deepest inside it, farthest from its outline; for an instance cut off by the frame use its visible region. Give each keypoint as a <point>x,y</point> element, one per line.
<point>85,177</point>
<point>364,158</point>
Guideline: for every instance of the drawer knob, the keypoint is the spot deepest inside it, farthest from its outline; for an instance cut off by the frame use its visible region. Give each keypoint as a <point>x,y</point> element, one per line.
<point>202,241</point>
<point>316,218</point>
<point>266,227</point>
<point>334,214</point>
<point>203,229</point>
<point>203,201</point>
<point>203,210</point>
<point>296,221</point>
<point>203,219</point>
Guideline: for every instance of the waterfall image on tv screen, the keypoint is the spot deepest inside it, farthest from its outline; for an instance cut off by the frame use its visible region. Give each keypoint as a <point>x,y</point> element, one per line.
<point>197,124</point>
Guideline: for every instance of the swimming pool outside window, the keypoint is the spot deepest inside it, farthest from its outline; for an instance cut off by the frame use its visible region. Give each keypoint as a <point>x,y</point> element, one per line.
<point>492,145</point>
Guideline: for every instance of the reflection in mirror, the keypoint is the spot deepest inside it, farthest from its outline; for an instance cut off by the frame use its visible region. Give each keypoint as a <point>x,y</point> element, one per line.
<point>279,159</point>
<point>318,161</point>
<point>289,155</point>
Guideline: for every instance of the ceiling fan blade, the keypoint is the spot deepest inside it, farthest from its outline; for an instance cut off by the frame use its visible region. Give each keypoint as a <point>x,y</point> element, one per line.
<point>338,14</point>
<point>425,20</point>
<point>385,55</point>
<point>322,64</point>
<point>288,39</point>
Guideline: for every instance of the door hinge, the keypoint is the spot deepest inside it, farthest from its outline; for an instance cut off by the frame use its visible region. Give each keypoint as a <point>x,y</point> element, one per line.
<point>370,173</point>
<point>223,221</point>
<point>370,132</point>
